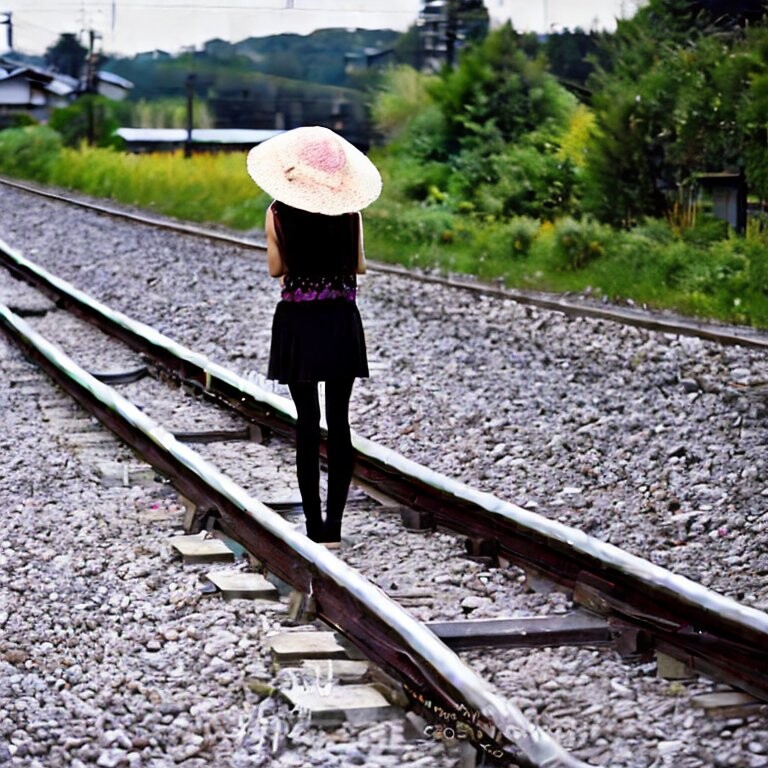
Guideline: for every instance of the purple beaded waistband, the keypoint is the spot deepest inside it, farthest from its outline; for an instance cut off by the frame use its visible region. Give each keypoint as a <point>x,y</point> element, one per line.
<point>319,288</point>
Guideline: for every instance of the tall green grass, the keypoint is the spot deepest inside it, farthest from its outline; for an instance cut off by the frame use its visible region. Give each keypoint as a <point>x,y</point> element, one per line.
<point>705,271</point>
<point>203,188</point>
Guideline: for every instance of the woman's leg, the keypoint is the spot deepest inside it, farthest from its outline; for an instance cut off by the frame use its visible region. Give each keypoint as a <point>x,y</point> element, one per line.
<point>341,457</point>
<point>307,404</point>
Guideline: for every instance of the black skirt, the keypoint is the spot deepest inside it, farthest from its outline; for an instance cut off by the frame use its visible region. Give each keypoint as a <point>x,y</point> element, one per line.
<point>317,341</point>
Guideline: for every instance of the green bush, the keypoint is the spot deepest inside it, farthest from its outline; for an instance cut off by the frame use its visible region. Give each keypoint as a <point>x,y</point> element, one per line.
<point>654,231</point>
<point>21,120</point>
<point>705,231</point>
<point>29,153</point>
<point>89,118</point>
<point>529,181</point>
<point>578,243</point>
<point>519,235</point>
<point>675,263</point>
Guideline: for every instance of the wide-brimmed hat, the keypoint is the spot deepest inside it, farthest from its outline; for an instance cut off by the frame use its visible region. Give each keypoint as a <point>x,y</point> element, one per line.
<point>315,169</point>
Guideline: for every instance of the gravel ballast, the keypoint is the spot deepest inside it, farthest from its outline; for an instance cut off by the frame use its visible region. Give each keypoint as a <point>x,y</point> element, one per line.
<point>653,442</point>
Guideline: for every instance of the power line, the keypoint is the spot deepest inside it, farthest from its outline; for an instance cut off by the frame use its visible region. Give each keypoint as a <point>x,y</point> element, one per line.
<point>286,6</point>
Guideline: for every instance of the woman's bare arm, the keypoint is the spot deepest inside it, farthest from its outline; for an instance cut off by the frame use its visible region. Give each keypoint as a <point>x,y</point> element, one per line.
<point>361,265</point>
<point>275,263</point>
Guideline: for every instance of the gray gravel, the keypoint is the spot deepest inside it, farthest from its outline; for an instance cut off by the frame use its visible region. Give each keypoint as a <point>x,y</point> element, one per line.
<point>653,442</point>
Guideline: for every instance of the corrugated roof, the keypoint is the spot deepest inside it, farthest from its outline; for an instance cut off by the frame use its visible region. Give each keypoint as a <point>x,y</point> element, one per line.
<point>60,87</point>
<point>113,79</point>
<point>199,135</point>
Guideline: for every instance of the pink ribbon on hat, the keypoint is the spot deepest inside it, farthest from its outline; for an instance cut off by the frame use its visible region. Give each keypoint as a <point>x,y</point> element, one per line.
<point>324,155</point>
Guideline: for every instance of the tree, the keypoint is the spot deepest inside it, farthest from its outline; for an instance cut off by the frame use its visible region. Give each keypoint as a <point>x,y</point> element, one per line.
<point>487,138</point>
<point>67,55</point>
<point>497,85</point>
<point>90,114</point>
<point>674,101</point>
<point>572,55</point>
<point>449,25</point>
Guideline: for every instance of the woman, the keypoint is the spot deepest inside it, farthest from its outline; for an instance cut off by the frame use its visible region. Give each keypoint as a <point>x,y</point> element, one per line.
<point>319,183</point>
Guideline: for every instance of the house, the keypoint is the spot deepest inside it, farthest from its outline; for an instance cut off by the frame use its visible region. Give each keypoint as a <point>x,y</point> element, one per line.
<point>112,86</point>
<point>32,91</point>
<point>36,92</point>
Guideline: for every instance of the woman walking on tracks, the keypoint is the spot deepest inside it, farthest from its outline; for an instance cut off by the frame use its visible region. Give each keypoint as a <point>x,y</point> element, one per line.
<point>319,183</point>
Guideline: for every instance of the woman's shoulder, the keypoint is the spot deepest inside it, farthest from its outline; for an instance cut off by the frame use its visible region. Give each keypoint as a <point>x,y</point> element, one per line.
<point>287,211</point>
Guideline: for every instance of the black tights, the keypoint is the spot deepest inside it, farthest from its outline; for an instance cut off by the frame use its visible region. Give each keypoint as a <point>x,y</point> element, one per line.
<point>341,457</point>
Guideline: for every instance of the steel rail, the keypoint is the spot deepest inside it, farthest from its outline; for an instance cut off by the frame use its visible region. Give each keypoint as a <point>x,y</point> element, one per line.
<point>138,218</point>
<point>709,632</point>
<point>447,691</point>
<point>646,320</point>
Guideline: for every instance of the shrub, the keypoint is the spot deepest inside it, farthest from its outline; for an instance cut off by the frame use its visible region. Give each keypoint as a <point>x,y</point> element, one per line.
<point>95,115</point>
<point>403,95</point>
<point>654,231</point>
<point>674,263</point>
<point>577,243</point>
<point>29,153</point>
<point>520,234</point>
<point>705,231</point>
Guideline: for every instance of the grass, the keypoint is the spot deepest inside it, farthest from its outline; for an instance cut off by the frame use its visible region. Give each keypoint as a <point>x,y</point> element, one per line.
<point>203,188</point>
<point>704,271</point>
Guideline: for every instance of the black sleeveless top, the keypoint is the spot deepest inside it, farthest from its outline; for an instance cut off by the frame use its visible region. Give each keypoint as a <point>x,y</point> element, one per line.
<point>317,333</point>
<point>319,252</point>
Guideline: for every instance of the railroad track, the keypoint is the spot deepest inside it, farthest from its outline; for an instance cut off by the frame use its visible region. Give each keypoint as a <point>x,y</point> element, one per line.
<point>626,316</point>
<point>712,634</point>
<point>443,689</point>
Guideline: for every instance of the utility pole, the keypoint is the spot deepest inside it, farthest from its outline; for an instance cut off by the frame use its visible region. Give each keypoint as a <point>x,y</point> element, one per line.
<point>8,20</point>
<point>91,87</point>
<point>451,33</point>
<point>190,87</point>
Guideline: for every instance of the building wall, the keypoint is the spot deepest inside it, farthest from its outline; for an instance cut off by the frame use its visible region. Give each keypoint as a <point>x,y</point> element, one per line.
<point>17,92</point>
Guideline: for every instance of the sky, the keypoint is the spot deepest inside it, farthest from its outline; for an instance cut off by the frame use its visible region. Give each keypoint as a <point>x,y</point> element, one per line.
<point>126,27</point>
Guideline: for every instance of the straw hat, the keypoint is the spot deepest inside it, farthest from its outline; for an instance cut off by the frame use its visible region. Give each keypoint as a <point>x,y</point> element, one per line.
<point>315,169</point>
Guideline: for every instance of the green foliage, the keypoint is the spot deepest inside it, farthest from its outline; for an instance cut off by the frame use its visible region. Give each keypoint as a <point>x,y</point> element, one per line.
<point>574,141</point>
<point>523,179</point>
<point>168,113</point>
<point>577,243</point>
<point>17,120</point>
<point>93,117</point>
<point>571,55</point>
<point>29,153</point>
<point>483,138</point>
<point>496,83</point>
<point>679,97</point>
<point>518,236</point>
<point>400,97</point>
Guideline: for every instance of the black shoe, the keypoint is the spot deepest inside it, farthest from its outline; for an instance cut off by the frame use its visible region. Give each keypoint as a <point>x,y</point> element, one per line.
<point>332,532</point>
<point>315,530</point>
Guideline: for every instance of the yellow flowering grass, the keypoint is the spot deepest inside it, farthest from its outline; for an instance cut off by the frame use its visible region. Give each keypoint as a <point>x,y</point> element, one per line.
<point>202,188</point>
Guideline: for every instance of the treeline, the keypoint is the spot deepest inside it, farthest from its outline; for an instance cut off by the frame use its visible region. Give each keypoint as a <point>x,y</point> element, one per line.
<point>307,78</point>
<point>275,81</point>
<point>679,90</point>
<point>333,57</point>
